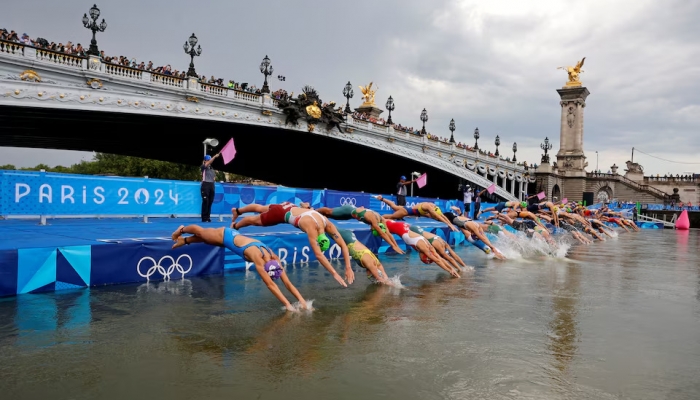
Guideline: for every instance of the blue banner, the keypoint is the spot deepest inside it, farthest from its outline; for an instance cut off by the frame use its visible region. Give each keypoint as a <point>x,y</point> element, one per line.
<point>155,261</point>
<point>40,193</point>
<point>30,193</point>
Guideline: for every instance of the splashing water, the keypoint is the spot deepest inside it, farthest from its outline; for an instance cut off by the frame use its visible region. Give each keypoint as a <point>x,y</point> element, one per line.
<point>298,308</point>
<point>521,247</point>
<point>395,281</point>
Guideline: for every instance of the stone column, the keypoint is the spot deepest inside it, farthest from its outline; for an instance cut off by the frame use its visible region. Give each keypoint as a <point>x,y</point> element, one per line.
<point>571,160</point>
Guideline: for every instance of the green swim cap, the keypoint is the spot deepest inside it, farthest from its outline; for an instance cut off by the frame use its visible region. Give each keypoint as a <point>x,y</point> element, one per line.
<point>523,204</point>
<point>381,226</point>
<point>323,242</point>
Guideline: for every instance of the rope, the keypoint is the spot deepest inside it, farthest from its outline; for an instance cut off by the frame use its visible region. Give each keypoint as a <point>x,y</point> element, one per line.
<point>663,159</point>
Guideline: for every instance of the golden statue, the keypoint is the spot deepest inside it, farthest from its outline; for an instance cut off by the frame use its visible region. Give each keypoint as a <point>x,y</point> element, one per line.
<point>368,95</point>
<point>313,110</point>
<point>574,73</point>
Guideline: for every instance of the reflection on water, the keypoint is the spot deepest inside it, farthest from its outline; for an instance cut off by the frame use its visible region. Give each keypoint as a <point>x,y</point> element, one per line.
<point>617,319</point>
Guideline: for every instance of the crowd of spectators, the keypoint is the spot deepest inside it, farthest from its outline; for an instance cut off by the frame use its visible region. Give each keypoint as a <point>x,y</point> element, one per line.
<point>79,51</point>
<point>672,178</point>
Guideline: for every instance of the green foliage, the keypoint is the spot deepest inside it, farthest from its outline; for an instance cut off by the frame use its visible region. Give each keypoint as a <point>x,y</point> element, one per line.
<point>112,164</point>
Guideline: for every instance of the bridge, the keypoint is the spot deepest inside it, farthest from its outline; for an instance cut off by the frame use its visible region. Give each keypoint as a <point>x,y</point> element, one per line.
<point>61,101</point>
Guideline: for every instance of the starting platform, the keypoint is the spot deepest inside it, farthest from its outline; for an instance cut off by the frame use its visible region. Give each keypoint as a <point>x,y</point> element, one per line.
<point>77,253</point>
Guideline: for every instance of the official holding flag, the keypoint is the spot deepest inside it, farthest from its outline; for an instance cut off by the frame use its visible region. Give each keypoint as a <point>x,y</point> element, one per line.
<point>207,189</point>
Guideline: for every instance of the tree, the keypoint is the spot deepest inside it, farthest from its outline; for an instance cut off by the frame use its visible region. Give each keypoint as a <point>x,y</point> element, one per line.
<point>112,164</point>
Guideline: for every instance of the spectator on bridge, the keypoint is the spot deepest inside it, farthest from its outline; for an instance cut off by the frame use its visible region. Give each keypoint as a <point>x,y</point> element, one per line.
<point>401,191</point>
<point>207,188</point>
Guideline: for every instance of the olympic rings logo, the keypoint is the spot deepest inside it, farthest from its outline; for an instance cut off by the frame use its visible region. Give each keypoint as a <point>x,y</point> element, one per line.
<point>157,267</point>
<point>345,201</point>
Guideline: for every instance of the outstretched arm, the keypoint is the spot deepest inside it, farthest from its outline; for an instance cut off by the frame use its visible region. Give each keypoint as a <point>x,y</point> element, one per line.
<point>323,260</point>
<point>288,284</point>
<point>387,237</point>
<point>272,285</point>
<point>349,273</point>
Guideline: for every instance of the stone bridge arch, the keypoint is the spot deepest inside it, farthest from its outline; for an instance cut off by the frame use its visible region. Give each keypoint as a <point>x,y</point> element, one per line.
<point>603,192</point>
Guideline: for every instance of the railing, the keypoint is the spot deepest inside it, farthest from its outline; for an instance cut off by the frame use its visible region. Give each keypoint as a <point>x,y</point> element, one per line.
<point>213,89</point>
<point>629,182</point>
<point>123,71</point>
<point>59,58</point>
<point>671,179</point>
<point>246,96</point>
<point>11,48</point>
<point>167,80</point>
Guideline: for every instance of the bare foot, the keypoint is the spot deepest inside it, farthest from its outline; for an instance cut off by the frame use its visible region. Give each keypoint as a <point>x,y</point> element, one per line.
<point>234,215</point>
<point>179,243</point>
<point>378,197</point>
<point>177,232</point>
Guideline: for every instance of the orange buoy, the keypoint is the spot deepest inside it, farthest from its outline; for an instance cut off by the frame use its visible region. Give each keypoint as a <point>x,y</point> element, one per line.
<point>683,222</point>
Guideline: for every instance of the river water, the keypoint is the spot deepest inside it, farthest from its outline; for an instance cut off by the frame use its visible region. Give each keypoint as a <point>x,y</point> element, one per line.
<point>613,320</point>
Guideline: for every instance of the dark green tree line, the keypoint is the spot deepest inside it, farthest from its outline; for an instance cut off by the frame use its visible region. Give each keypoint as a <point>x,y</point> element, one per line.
<point>112,164</point>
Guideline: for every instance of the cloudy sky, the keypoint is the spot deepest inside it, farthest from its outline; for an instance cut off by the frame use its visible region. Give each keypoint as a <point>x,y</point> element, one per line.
<point>487,64</point>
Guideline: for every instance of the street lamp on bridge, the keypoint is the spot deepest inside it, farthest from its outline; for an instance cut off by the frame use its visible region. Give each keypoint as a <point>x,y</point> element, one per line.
<point>390,107</point>
<point>424,118</point>
<point>94,27</point>
<point>515,150</point>
<point>190,49</point>
<point>546,146</point>
<point>209,142</point>
<point>452,130</point>
<point>267,70</point>
<point>498,143</point>
<point>476,139</point>
<point>348,93</point>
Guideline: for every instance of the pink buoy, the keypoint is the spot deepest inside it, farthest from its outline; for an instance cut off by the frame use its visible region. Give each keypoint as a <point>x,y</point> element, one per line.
<point>683,222</point>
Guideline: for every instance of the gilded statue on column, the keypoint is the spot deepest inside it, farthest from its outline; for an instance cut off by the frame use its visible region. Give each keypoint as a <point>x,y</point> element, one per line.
<point>368,94</point>
<point>574,73</point>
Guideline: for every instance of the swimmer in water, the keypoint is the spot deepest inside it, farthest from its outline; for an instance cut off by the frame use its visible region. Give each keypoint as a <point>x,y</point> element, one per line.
<point>428,254</point>
<point>316,226</point>
<point>425,209</point>
<point>267,264</point>
<point>442,247</point>
<point>472,230</point>
<point>365,258</point>
<point>364,215</point>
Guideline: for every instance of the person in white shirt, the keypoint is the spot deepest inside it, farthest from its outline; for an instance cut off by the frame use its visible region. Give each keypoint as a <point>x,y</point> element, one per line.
<point>468,193</point>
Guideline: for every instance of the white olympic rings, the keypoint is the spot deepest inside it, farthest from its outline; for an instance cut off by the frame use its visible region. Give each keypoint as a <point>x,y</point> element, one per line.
<point>345,201</point>
<point>161,270</point>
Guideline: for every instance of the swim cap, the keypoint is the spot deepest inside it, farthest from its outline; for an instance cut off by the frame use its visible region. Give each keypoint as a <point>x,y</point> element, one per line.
<point>568,209</point>
<point>273,269</point>
<point>207,157</point>
<point>323,242</point>
<point>523,204</point>
<point>426,260</point>
<point>381,226</point>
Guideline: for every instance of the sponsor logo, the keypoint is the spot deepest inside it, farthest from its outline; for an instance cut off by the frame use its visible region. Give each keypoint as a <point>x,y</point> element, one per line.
<point>161,268</point>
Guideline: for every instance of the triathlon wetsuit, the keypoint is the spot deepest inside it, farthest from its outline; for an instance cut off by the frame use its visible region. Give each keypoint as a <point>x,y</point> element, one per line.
<point>456,221</point>
<point>402,229</point>
<point>343,213</point>
<point>420,231</point>
<point>567,226</point>
<point>295,219</point>
<point>360,216</point>
<point>275,214</point>
<point>230,234</point>
<point>350,239</point>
